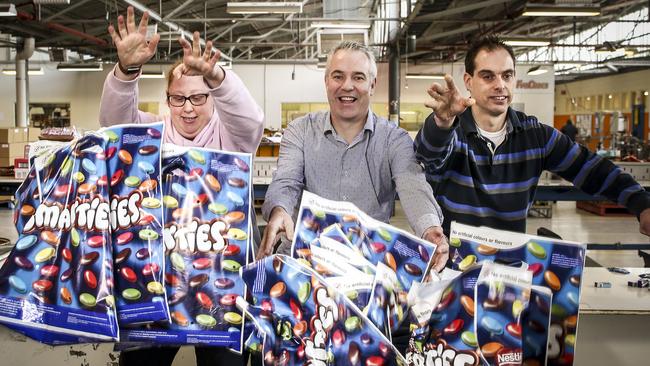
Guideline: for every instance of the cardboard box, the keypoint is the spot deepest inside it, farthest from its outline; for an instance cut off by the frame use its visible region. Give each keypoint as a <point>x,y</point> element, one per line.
<point>11,135</point>
<point>13,150</point>
<point>32,134</point>
<point>20,135</point>
<point>5,162</point>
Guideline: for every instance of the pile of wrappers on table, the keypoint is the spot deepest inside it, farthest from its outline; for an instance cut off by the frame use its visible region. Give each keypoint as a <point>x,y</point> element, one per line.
<point>125,239</point>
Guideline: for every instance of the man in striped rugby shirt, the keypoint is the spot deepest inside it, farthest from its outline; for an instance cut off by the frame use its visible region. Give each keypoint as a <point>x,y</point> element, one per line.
<point>483,159</point>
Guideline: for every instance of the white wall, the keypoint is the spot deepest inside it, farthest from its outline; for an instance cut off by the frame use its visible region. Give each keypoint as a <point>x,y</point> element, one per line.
<point>620,86</point>
<point>270,86</point>
<point>81,89</point>
<point>308,86</point>
<point>277,87</point>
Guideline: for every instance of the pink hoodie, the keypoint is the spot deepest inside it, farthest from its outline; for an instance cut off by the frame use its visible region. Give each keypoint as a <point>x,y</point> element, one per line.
<point>236,124</point>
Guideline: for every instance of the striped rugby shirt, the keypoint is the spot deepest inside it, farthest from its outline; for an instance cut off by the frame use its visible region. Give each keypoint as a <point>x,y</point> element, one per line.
<point>476,186</point>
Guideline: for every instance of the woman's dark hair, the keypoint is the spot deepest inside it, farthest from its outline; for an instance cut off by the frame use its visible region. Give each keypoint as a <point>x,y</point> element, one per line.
<point>488,43</point>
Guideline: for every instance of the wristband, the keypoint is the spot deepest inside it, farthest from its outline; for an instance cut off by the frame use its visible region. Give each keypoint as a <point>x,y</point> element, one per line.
<point>129,70</point>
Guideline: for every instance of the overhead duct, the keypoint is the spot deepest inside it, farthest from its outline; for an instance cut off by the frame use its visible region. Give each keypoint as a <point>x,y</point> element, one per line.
<point>24,51</point>
<point>346,9</point>
<point>331,33</point>
<point>61,28</point>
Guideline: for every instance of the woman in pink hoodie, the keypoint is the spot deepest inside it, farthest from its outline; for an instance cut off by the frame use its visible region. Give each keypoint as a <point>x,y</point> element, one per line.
<point>209,107</point>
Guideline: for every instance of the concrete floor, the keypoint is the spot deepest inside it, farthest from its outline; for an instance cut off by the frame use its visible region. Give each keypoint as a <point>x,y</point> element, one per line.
<point>567,221</point>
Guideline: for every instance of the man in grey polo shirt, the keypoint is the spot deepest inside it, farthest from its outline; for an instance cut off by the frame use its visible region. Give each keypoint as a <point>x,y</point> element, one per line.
<point>350,154</point>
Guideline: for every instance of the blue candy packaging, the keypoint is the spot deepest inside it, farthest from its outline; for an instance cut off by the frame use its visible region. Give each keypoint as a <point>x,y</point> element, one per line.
<point>133,159</point>
<point>206,200</point>
<point>306,321</point>
<point>56,284</point>
<point>554,264</point>
<point>501,296</point>
<point>356,244</point>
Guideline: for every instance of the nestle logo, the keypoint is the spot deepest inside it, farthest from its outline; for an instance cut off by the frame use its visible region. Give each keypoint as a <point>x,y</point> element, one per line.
<point>509,357</point>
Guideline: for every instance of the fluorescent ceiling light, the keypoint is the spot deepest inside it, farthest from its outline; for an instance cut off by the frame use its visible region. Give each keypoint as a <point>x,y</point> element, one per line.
<point>603,51</point>
<point>38,71</point>
<point>426,76</point>
<point>37,110</point>
<point>80,67</point>
<point>544,10</point>
<point>247,7</point>
<point>152,75</point>
<point>8,10</point>
<point>340,25</point>
<point>526,42</point>
<point>536,70</point>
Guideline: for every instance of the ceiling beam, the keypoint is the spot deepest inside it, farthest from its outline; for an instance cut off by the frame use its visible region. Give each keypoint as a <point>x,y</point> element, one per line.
<point>91,31</point>
<point>439,35</point>
<point>459,10</point>
<point>278,19</point>
<point>178,9</point>
<point>67,9</point>
<point>412,15</point>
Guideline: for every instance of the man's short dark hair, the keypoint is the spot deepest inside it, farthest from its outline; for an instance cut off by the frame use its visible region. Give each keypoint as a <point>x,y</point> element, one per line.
<point>488,43</point>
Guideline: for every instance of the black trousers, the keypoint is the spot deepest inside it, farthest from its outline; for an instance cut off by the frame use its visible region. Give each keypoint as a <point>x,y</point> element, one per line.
<point>164,356</point>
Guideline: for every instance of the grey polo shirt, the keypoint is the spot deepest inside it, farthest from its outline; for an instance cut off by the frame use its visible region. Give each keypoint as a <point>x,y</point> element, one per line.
<point>368,172</point>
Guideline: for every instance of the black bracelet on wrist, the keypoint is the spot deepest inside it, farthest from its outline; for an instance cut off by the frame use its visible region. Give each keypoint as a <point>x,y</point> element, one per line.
<point>129,70</point>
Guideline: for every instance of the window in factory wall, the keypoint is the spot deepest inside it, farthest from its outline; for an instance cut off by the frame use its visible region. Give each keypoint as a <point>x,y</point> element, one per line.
<point>412,115</point>
<point>43,115</point>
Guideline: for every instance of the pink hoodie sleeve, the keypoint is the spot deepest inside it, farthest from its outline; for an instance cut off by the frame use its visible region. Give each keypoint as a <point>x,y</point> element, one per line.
<point>119,103</point>
<point>242,120</point>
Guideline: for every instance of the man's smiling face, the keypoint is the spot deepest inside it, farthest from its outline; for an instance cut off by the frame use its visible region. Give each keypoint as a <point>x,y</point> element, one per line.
<point>493,82</point>
<point>349,86</point>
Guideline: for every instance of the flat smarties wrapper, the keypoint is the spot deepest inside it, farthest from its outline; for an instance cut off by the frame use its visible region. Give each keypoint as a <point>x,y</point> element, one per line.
<point>445,330</point>
<point>535,324</point>
<point>555,264</point>
<point>133,159</point>
<point>446,316</point>
<point>368,242</point>
<point>206,200</point>
<point>56,284</point>
<point>307,321</point>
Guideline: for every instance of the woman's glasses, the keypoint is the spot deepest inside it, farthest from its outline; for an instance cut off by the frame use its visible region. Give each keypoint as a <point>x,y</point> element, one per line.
<point>179,100</point>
